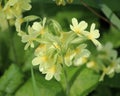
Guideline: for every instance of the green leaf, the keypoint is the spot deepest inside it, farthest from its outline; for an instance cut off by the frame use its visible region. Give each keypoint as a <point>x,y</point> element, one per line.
<point>45,88</point>
<point>26,89</point>
<point>85,82</point>
<point>110,15</point>
<point>11,80</point>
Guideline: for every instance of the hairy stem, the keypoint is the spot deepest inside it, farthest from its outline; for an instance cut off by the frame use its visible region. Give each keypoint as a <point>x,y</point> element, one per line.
<point>35,90</point>
<point>66,78</point>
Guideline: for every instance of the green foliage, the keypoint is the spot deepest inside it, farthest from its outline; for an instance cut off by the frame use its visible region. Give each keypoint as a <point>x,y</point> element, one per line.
<point>109,14</point>
<point>84,83</point>
<point>11,80</point>
<point>19,78</point>
<point>44,88</point>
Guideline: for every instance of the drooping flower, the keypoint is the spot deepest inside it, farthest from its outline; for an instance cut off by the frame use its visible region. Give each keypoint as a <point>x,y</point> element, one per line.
<point>77,57</point>
<point>69,57</point>
<point>81,55</point>
<point>78,28</point>
<point>39,26</point>
<point>48,63</point>
<point>29,38</point>
<point>14,8</point>
<point>110,64</point>
<point>41,49</point>
<point>113,67</point>
<point>81,58</point>
<point>42,61</point>
<point>91,64</point>
<point>93,35</point>
<point>53,71</point>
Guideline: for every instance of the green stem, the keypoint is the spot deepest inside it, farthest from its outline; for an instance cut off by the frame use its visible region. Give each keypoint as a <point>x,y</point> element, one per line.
<point>66,78</point>
<point>67,83</point>
<point>34,82</point>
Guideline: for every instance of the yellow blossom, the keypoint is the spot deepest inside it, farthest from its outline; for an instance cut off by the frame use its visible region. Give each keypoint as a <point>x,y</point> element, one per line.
<point>53,71</point>
<point>14,8</point>
<point>39,26</point>
<point>29,38</point>
<point>78,28</point>
<point>93,35</point>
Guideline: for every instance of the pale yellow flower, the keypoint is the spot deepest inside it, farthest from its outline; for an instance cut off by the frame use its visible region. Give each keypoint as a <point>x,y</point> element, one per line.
<point>81,55</point>
<point>29,38</point>
<point>81,58</point>
<point>77,56</point>
<point>69,57</point>
<point>91,64</point>
<point>14,8</point>
<point>41,49</point>
<point>47,65</point>
<point>93,35</point>
<point>113,67</point>
<point>53,71</point>
<point>42,61</point>
<point>78,28</point>
<point>39,26</point>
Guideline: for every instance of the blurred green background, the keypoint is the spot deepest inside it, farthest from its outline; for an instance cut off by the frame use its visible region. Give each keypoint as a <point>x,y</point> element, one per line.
<point>17,77</point>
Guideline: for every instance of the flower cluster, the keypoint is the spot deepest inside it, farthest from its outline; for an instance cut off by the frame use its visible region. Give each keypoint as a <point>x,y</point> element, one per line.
<point>10,10</point>
<point>106,62</point>
<point>55,48</point>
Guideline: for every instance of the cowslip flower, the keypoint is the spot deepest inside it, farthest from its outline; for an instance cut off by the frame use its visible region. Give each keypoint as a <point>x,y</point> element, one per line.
<point>81,55</point>
<point>113,67</point>
<point>93,35</point>
<point>91,64</point>
<point>81,58</point>
<point>42,61</point>
<point>112,63</point>
<point>29,38</point>
<point>41,49</point>
<point>77,56</point>
<point>53,71</point>
<point>39,26</point>
<point>14,8</point>
<point>47,65</point>
<point>78,28</point>
<point>69,57</point>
